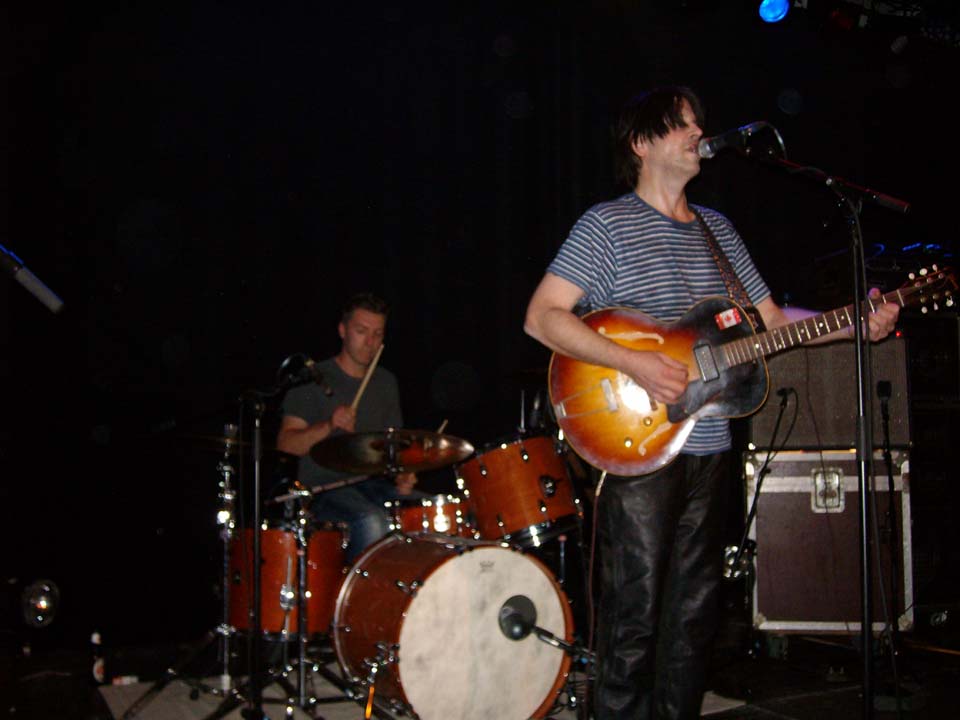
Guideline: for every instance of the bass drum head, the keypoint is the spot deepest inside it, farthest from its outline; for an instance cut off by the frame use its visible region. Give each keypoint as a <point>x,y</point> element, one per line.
<point>454,661</point>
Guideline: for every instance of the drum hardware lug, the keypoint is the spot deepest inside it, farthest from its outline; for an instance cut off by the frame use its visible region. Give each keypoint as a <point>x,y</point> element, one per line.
<point>543,507</point>
<point>524,455</point>
<point>483,470</point>
<point>390,650</point>
<point>549,485</point>
<point>500,523</point>
<point>386,655</point>
<point>410,589</point>
<point>287,597</point>
<point>225,629</point>
<point>344,529</point>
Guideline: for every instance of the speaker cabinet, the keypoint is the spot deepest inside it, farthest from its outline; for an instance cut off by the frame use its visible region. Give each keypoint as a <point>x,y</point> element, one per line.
<point>825,380</point>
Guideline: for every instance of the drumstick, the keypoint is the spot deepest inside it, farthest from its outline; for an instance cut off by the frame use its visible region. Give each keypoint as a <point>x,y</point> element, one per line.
<point>443,426</point>
<point>366,378</point>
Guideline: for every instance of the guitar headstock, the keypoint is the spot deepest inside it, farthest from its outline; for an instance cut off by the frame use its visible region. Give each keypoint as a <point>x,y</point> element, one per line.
<point>932,288</point>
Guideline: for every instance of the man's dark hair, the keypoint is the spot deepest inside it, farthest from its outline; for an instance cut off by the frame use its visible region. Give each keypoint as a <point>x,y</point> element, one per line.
<point>646,116</point>
<point>364,301</point>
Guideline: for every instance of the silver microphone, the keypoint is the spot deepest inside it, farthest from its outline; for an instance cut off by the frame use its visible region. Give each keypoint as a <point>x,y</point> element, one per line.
<point>708,147</point>
<point>15,268</point>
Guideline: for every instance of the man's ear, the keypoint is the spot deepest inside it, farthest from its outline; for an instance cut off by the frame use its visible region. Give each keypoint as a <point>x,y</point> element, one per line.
<point>640,146</point>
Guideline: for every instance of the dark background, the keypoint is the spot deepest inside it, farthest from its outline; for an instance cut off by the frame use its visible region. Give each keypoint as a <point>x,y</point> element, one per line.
<point>204,187</point>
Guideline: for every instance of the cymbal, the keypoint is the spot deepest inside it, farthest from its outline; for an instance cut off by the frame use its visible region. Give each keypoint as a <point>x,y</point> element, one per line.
<point>390,451</point>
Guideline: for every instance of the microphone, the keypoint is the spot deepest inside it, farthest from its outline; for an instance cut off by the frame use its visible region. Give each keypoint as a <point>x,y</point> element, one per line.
<point>517,617</point>
<point>308,372</point>
<point>14,266</point>
<point>317,376</point>
<point>708,147</point>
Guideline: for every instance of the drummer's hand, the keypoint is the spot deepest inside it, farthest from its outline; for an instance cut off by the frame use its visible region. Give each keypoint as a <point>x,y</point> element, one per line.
<point>405,482</point>
<point>344,417</point>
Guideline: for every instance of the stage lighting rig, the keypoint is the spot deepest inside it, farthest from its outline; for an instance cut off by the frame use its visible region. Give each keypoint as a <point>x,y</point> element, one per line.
<point>39,603</point>
<point>772,11</point>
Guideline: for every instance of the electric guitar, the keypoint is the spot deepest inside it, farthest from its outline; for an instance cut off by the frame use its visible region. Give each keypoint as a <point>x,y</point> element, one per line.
<point>613,424</point>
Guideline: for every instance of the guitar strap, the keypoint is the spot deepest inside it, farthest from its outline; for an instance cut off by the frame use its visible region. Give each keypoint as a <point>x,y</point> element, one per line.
<point>734,287</point>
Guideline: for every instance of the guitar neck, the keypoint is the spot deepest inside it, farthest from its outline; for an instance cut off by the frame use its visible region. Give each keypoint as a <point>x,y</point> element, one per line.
<point>810,328</point>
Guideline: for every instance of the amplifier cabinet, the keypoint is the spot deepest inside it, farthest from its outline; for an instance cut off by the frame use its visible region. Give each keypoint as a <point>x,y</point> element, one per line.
<point>807,534</point>
<point>825,380</point>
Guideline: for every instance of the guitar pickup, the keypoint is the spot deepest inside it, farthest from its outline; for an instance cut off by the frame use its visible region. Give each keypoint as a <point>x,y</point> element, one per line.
<point>706,362</point>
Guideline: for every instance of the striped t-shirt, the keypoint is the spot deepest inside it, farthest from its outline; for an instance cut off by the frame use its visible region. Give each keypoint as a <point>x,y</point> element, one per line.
<point>624,253</point>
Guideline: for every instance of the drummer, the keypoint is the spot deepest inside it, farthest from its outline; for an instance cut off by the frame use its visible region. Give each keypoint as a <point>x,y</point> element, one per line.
<point>314,412</point>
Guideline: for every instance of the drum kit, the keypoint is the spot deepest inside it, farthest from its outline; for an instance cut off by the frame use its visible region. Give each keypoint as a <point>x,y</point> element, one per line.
<point>451,615</point>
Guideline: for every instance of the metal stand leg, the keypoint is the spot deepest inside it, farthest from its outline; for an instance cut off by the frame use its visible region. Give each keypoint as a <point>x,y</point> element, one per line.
<point>224,631</point>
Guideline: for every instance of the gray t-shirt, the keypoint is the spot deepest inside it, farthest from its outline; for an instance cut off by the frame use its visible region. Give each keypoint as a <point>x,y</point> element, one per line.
<point>379,409</point>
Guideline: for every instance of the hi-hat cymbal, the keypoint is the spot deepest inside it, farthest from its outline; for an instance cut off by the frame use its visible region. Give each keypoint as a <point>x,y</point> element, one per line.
<point>225,444</point>
<point>390,451</point>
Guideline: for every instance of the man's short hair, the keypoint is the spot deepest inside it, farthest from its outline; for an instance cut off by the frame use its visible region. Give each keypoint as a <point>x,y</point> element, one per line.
<point>364,301</point>
<point>651,114</point>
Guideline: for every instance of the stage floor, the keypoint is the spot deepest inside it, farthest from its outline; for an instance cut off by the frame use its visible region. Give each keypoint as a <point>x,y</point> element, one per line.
<point>793,678</point>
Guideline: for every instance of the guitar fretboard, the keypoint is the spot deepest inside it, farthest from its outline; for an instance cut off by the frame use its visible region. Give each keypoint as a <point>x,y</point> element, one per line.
<point>748,349</point>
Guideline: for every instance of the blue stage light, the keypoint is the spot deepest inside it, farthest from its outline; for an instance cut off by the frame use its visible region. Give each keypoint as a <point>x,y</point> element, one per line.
<point>772,11</point>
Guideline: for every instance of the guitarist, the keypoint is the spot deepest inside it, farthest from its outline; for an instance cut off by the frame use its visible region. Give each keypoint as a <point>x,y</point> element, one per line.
<point>660,534</point>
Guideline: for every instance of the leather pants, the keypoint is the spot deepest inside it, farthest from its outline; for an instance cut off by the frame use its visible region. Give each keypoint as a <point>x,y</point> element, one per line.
<point>661,558</point>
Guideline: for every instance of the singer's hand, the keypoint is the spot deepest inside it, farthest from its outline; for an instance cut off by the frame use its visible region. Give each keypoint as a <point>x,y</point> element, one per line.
<point>344,418</point>
<point>883,320</point>
<point>664,378</point>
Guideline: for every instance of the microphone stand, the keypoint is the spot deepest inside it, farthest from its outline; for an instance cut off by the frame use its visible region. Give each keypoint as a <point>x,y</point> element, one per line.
<point>892,534</point>
<point>864,425</point>
<point>256,681</point>
<point>255,710</point>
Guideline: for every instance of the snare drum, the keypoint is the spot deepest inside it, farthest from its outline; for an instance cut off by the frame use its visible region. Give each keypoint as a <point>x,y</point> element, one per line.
<point>279,578</point>
<point>520,491</point>
<point>426,609</point>
<point>442,514</point>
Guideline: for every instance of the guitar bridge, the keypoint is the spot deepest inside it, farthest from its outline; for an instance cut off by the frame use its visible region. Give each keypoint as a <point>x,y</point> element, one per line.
<point>607,394</point>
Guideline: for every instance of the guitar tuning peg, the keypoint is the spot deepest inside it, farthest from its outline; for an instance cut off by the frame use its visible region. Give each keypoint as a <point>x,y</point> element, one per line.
<point>912,276</point>
<point>923,272</point>
<point>935,268</point>
<point>924,310</point>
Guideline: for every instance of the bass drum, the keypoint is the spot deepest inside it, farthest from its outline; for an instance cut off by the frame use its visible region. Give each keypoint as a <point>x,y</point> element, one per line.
<point>429,606</point>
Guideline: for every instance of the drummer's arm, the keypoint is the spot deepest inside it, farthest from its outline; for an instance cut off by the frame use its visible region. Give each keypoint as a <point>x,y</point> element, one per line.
<point>297,436</point>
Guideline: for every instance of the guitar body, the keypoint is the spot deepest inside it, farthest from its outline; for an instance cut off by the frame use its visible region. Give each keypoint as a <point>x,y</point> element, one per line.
<point>613,424</point>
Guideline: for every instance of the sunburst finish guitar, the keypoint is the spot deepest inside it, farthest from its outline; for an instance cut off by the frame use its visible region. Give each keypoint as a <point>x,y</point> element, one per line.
<point>613,424</point>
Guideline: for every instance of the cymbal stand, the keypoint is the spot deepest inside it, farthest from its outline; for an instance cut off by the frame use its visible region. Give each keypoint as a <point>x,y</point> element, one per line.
<point>226,518</point>
<point>255,682</point>
<point>224,631</point>
<point>301,536</point>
